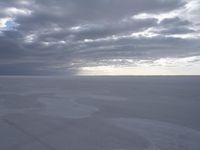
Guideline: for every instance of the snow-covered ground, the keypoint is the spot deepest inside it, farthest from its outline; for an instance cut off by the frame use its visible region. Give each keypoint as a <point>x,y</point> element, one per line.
<point>99,113</point>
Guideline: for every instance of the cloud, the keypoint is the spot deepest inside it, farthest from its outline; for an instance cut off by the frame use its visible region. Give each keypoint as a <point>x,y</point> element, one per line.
<point>49,37</point>
<point>12,11</point>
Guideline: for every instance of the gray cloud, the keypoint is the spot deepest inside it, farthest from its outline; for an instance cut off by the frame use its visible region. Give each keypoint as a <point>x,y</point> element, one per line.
<point>49,37</point>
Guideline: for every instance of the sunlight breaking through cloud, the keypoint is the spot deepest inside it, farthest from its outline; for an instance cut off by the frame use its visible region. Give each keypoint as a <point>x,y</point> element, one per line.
<point>162,66</point>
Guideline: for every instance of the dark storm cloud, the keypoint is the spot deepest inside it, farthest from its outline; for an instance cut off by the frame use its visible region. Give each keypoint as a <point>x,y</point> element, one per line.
<point>48,36</point>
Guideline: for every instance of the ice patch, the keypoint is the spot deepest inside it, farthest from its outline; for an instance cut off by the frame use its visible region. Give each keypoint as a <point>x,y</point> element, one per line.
<point>66,108</point>
<point>44,104</point>
<point>104,97</point>
<point>162,136</point>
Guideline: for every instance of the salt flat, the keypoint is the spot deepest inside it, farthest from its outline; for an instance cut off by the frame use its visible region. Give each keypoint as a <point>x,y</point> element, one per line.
<point>99,113</point>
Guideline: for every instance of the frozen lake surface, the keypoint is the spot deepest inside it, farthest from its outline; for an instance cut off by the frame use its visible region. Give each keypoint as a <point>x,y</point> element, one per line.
<point>99,113</point>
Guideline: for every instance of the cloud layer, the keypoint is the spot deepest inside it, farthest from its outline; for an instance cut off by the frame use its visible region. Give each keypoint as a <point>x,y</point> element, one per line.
<point>65,36</point>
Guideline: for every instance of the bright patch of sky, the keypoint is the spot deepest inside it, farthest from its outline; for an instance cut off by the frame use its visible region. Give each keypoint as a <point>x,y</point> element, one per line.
<point>162,66</point>
<point>7,24</point>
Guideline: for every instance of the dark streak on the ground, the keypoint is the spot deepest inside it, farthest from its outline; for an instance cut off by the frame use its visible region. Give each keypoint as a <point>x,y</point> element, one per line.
<point>35,138</point>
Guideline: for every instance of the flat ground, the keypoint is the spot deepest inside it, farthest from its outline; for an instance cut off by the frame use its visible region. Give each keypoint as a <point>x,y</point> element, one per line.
<point>100,113</point>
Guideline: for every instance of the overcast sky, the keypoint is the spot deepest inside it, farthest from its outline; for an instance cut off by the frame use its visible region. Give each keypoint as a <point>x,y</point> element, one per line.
<point>99,37</point>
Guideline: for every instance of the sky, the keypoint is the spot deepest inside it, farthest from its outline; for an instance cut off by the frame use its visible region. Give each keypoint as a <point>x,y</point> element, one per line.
<point>100,37</point>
